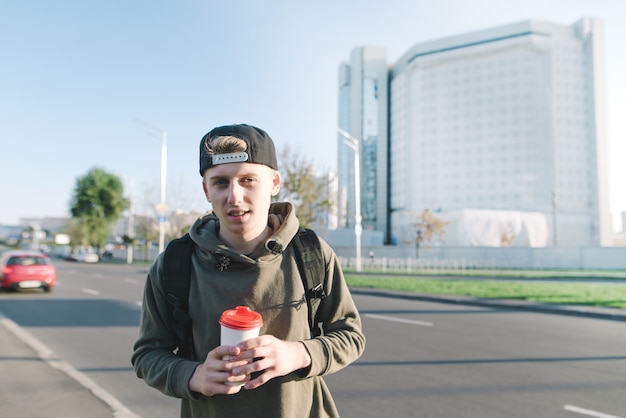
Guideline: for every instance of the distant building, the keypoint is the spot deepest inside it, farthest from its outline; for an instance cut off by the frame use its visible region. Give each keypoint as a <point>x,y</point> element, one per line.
<point>363,109</point>
<point>505,119</point>
<point>52,225</point>
<point>10,234</point>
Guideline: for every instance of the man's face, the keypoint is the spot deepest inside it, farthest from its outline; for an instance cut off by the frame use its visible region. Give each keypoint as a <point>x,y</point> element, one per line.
<point>240,194</point>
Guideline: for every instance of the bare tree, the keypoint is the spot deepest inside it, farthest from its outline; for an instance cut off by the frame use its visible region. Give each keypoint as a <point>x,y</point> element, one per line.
<point>147,229</point>
<point>184,205</point>
<point>429,229</point>
<point>507,237</point>
<point>304,186</point>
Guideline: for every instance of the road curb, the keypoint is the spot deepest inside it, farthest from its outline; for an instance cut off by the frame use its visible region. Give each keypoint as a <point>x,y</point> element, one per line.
<point>570,310</point>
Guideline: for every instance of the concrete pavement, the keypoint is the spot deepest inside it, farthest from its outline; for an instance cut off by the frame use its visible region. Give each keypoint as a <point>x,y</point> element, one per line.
<point>34,383</point>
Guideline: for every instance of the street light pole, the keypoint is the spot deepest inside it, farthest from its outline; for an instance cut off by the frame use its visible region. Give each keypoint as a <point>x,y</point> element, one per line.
<point>161,208</point>
<point>353,143</point>
<point>554,226</point>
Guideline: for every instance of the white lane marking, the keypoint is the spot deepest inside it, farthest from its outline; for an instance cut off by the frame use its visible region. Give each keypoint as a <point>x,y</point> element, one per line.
<point>138,303</point>
<point>588,412</point>
<point>133,281</point>
<point>91,291</point>
<point>52,360</point>
<point>404,321</point>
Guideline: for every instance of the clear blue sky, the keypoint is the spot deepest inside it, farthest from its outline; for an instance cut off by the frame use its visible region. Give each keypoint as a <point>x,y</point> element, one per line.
<point>77,75</point>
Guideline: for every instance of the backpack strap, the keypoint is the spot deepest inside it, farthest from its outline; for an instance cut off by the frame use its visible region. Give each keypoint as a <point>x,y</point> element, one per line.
<point>177,279</point>
<point>308,252</point>
<point>177,270</point>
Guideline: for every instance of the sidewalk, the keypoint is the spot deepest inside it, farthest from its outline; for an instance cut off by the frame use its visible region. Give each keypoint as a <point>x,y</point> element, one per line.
<point>35,384</point>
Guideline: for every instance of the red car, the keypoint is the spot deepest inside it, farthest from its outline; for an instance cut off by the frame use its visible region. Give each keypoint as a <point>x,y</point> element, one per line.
<point>23,269</point>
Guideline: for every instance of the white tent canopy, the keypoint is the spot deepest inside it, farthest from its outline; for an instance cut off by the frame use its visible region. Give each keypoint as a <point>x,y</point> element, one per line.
<point>495,228</point>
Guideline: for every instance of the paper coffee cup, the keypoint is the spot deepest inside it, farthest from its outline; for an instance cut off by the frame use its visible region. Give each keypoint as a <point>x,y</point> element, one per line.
<point>237,325</point>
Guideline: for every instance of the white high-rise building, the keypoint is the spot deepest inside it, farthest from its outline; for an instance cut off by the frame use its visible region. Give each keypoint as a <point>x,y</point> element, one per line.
<point>363,111</point>
<point>504,129</point>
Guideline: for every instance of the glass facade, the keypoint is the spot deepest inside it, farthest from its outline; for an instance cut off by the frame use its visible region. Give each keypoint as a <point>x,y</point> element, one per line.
<point>363,114</point>
<point>369,146</point>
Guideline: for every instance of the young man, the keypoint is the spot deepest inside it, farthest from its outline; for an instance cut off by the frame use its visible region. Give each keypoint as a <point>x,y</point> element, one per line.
<point>244,256</point>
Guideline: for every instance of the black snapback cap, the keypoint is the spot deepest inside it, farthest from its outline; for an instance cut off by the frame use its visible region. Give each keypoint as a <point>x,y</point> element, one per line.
<point>260,147</point>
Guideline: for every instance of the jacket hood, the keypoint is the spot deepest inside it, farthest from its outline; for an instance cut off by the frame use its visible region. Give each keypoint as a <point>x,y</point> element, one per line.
<point>281,219</point>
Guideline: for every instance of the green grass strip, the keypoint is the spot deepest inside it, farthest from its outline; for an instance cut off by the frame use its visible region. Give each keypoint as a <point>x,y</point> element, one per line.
<point>610,295</point>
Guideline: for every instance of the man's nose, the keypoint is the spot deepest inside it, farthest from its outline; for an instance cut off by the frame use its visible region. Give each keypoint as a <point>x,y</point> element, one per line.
<point>235,193</point>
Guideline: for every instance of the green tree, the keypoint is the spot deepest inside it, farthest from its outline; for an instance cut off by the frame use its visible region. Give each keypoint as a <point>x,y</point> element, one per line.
<point>98,200</point>
<point>429,229</point>
<point>303,186</point>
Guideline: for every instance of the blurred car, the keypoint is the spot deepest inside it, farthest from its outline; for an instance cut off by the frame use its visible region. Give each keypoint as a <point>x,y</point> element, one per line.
<point>83,255</point>
<point>26,269</point>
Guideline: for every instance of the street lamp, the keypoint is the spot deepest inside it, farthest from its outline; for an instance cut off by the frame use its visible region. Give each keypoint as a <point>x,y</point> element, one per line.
<point>161,207</point>
<point>353,143</point>
<point>554,227</point>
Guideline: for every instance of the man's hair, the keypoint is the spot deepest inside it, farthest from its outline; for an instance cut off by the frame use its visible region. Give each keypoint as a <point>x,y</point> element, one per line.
<point>224,145</point>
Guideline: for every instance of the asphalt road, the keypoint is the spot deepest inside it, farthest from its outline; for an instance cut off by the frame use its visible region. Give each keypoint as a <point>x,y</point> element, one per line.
<point>423,359</point>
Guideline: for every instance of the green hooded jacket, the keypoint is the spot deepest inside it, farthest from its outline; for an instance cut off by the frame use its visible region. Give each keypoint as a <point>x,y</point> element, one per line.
<point>269,283</point>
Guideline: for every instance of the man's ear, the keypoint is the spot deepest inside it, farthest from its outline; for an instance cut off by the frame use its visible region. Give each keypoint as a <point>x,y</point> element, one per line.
<point>275,183</point>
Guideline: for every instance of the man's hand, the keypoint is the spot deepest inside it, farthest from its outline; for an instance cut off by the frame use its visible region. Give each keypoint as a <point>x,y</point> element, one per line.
<point>273,357</point>
<point>212,376</point>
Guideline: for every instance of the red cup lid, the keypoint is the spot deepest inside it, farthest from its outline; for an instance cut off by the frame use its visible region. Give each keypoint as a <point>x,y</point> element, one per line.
<point>242,317</point>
